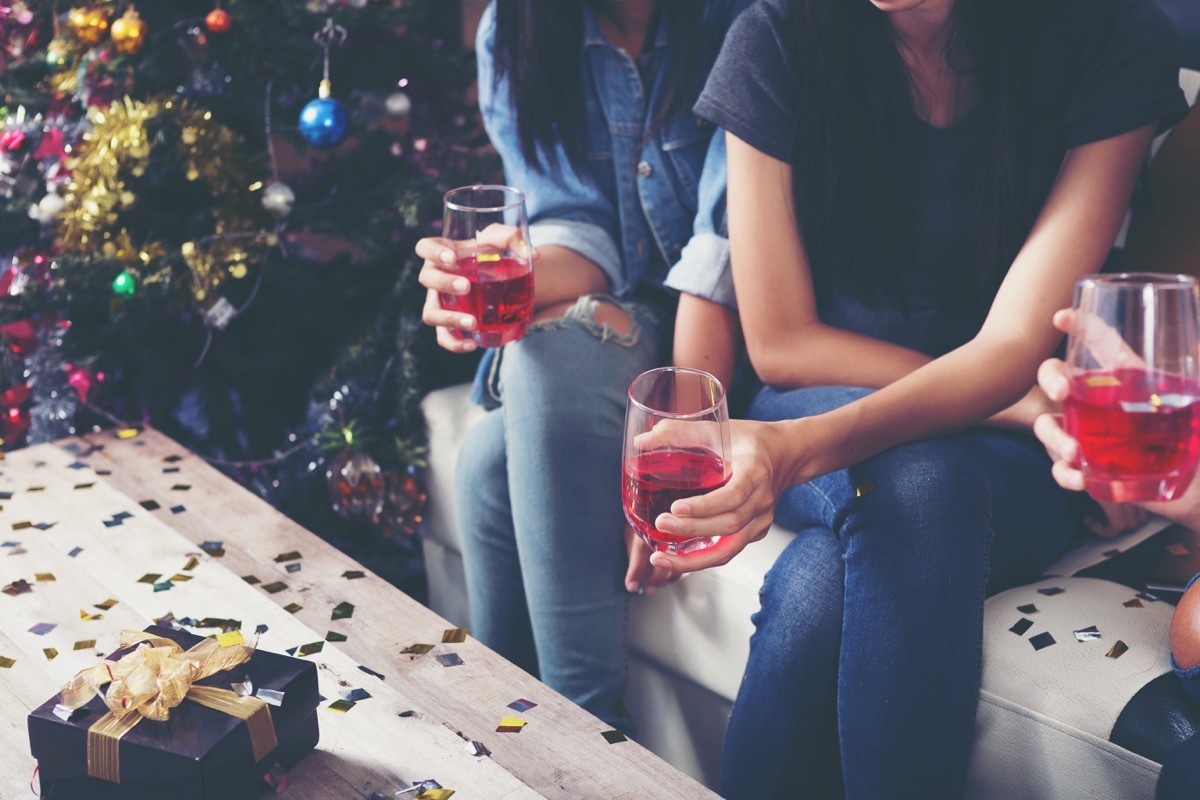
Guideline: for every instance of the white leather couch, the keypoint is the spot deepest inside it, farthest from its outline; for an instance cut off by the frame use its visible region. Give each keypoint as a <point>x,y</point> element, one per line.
<point>1045,716</point>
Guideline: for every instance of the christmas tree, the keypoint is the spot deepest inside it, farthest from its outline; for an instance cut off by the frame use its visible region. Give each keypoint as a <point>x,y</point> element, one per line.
<point>207,214</point>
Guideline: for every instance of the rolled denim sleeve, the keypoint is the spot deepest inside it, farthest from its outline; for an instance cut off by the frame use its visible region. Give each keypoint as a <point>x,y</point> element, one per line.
<point>703,266</point>
<point>565,207</point>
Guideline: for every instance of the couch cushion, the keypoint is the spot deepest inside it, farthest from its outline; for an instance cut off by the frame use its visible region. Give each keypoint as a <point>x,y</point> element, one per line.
<point>449,414</point>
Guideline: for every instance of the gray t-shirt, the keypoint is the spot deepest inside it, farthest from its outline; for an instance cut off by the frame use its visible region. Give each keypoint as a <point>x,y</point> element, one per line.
<point>1094,69</point>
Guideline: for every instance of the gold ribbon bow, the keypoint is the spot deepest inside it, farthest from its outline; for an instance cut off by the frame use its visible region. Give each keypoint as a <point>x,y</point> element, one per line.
<point>151,680</point>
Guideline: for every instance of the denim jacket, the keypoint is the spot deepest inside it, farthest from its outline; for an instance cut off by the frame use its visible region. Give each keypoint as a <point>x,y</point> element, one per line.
<point>638,200</point>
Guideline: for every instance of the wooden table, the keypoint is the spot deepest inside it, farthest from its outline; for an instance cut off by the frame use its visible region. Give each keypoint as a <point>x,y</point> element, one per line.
<point>177,505</point>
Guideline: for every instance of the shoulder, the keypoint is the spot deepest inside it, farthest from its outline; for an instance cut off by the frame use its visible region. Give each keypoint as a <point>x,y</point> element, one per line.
<point>485,34</point>
<point>1084,28</point>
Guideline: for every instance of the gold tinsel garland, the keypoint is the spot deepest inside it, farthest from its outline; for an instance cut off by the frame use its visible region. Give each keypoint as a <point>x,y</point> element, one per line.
<point>118,149</point>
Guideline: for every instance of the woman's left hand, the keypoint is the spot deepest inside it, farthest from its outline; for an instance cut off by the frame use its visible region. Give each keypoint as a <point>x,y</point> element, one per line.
<point>742,510</point>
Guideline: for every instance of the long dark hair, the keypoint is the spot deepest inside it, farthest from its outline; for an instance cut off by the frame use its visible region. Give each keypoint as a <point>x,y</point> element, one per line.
<point>854,140</point>
<point>538,48</point>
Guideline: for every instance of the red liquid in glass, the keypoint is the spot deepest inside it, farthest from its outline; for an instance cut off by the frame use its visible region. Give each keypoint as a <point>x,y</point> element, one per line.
<point>655,480</point>
<point>1139,433</point>
<point>501,298</point>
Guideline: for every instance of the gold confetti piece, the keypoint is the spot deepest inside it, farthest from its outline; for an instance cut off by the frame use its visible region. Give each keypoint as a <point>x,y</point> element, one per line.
<point>36,489</point>
<point>149,577</point>
<point>1119,649</point>
<point>454,635</point>
<point>343,610</point>
<point>487,257</point>
<point>292,608</point>
<point>191,564</point>
<point>435,794</point>
<point>85,644</point>
<point>107,604</point>
<point>20,526</point>
<point>417,649</point>
<point>351,574</point>
<point>1177,550</point>
<point>50,653</point>
<point>293,555</point>
<point>85,616</point>
<point>6,662</point>
<point>1134,603</point>
<point>272,588</point>
<point>251,579</point>
<point>43,577</point>
<point>510,725</point>
<point>334,636</point>
<point>179,577</point>
<point>341,705</point>
<point>865,489</point>
<point>1101,380</point>
<point>310,648</point>
<point>230,638</point>
<point>613,737</point>
<point>1155,400</point>
<point>127,433</point>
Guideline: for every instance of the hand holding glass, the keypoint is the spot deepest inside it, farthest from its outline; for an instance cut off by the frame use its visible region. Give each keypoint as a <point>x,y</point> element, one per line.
<point>1134,402</point>
<point>676,446</point>
<point>486,227</point>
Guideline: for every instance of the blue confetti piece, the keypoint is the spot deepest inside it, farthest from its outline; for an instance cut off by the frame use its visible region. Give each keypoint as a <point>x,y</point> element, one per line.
<point>178,509</point>
<point>75,551</point>
<point>293,567</point>
<point>113,523</point>
<point>1051,591</point>
<point>77,465</point>
<point>1042,641</point>
<point>42,628</point>
<point>162,587</point>
<point>522,705</point>
<point>123,515</point>
<point>45,526</point>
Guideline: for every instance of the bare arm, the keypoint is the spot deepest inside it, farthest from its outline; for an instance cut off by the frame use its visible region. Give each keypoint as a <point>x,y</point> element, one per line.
<point>707,337</point>
<point>787,343</point>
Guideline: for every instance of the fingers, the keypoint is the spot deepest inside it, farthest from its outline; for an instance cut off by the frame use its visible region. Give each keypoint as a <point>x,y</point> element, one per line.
<point>1054,379</point>
<point>497,237</point>
<point>437,250</point>
<point>1060,445</point>
<point>641,577</point>
<point>1068,477</point>
<point>451,326</point>
<point>432,277</point>
<point>1111,519</point>
<point>717,555</point>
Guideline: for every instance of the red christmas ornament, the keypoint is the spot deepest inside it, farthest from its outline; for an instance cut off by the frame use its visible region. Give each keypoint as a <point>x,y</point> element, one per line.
<point>356,486</point>
<point>218,20</point>
<point>18,336</point>
<point>404,504</point>
<point>14,418</point>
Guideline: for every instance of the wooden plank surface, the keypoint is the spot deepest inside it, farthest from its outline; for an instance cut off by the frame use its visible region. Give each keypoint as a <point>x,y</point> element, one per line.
<point>560,753</point>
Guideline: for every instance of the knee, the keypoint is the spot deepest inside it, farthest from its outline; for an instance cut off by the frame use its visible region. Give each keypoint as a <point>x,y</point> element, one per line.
<point>480,460</point>
<point>1185,629</point>
<point>801,596</point>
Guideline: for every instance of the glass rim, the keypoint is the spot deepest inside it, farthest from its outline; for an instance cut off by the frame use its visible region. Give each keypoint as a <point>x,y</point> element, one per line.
<point>519,199</point>
<point>720,400</point>
<point>1163,280</point>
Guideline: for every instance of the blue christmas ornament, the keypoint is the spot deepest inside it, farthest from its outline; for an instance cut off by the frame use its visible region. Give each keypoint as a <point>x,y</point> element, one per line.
<point>323,121</point>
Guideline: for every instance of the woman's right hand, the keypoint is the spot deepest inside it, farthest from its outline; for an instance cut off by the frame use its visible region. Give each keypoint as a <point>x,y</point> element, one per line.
<point>453,327</point>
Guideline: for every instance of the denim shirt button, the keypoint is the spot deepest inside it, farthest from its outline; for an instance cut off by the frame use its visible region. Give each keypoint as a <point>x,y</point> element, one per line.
<point>644,170</point>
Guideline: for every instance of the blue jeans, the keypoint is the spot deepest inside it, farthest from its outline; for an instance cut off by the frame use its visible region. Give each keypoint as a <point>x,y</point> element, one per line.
<point>864,666</point>
<point>539,505</point>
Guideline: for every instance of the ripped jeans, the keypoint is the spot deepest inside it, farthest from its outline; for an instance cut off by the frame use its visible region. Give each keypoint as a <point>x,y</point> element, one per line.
<point>538,488</point>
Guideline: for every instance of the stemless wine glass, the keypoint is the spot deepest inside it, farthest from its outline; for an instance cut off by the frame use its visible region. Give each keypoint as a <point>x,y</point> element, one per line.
<point>676,445</point>
<point>1135,381</point>
<point>486,227</point>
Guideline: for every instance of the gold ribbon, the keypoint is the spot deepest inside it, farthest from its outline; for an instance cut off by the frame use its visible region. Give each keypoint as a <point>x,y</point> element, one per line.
<point>151,680</point>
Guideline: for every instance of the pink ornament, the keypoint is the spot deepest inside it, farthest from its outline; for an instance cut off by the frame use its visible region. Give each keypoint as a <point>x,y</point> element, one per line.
<point>81,380</point>
<point>51,147</point>
<point>12,140</point>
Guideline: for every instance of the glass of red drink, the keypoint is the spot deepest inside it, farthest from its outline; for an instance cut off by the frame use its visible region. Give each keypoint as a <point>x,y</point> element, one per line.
<point>1134,402</point>
<point>486,226</point>
<point>676,446</point>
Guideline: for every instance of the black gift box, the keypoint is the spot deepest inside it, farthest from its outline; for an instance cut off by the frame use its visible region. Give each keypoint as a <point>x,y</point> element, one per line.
<point>198,754</point>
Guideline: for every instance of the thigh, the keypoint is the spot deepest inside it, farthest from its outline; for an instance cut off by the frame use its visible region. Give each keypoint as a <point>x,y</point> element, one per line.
<point>583,360</point>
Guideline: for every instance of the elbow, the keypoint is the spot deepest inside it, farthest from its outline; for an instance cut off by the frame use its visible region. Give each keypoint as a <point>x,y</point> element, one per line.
<point>770,364</point>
